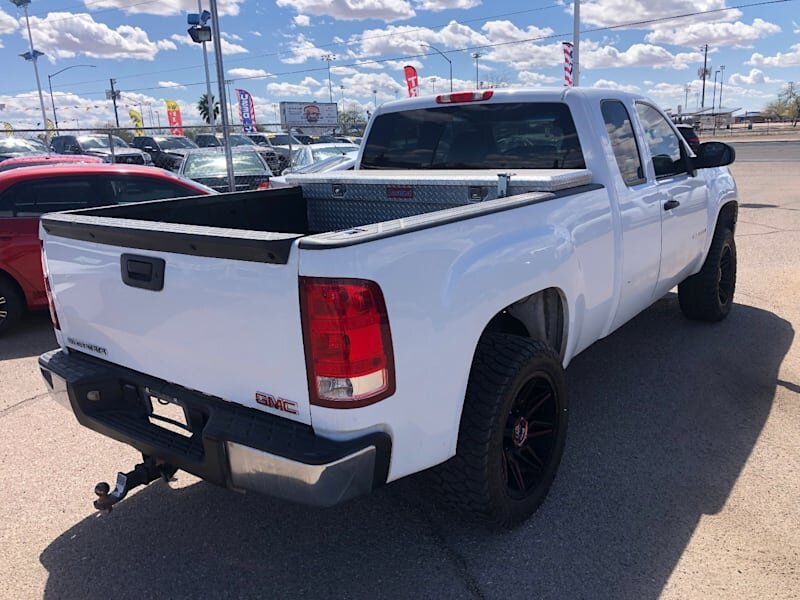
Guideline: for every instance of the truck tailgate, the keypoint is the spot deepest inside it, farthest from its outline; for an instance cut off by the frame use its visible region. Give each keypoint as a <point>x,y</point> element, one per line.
<point>224,327</point>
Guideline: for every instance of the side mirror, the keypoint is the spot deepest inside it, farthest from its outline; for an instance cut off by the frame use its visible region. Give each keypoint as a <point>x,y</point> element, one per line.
<point>714,154</point>
<point>147,148</point>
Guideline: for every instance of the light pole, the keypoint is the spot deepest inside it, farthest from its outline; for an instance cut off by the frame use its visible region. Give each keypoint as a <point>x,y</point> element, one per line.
<point>222,95</point>
<point>33,56</point>
<point>449,62</point>
<point>476,56</point>
<point>328,58</point>
<point>576,43</point>
<point>714,95</point>
<point>50,86</point>
<point>686,89</point>
<point>375,97</point>
<point>433,84</point>
<point>208,77</point>
<point>721,81</point>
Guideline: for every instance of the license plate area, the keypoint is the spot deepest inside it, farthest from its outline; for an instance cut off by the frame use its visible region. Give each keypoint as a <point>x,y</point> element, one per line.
<point>167,413</point>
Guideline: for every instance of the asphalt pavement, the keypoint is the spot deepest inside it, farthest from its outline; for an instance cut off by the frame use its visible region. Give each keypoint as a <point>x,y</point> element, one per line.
<point>681,477</point>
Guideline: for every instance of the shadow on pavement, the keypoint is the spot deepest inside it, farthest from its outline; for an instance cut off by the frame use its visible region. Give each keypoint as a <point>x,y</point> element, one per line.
<point>32,336</point>
<point>665,413</point>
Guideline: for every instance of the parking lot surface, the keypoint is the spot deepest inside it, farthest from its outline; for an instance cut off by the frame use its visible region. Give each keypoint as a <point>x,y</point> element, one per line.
<point>681,477</point>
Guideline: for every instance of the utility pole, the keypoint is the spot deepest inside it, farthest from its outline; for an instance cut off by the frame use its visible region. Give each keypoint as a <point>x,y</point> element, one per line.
<point>113,95</point>
<point>328,58</point>
<point>33,56</point>
<point>721,81</point>
<point>476,56</point>
<point>705,74</point>
<point>686,89</point>
<point>209,100</point>
<point>222,95</point>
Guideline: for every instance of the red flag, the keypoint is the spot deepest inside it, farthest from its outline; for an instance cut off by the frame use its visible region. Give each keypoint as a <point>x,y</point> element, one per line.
<point>174,118</point>
<point>411,81</point>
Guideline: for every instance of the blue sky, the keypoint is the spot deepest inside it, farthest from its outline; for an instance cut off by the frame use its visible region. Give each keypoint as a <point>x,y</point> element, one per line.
<point>274,49</point>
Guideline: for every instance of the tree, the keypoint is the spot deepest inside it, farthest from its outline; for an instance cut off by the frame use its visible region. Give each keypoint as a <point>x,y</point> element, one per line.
<point>202,108</point>
<point>787,105</point>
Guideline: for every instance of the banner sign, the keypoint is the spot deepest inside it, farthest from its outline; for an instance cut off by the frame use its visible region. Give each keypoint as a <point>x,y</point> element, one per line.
<point>412,81</point>
<point>247,111</point>
<point>567,63</point>
<point>174,117</point>
<point>309,114</point>
<point>137,120</point>
<point>9,130</point>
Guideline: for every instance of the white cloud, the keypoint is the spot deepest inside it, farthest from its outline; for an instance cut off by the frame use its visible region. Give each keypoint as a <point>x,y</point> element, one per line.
<point>715,34</point>
<point>310,82</point>
<point>301,20</point>
<point>362,84</point>
<point>66,35</point>
<point>613,85</point>
<point>7,23</point>
<point>227,47</point>
<point>171,84</point>
<point>255,33</point>
<point>755,77</point>
<point>352,10</point>
<point>605,13</point>
<point>404,39</point>
<point>781,59</point>
<point>162,7</point>
<point>343,70</point>
<point>243,73</point>
<point>231,36</point>
<point>537,79</point>
<point>796,27</point>
<point>288,89</point>
<point>594,56</point>
<point>302,50</point>
<point>438,5</point>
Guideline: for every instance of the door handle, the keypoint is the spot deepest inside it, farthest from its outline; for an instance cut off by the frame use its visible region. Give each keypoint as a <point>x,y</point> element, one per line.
<point>143,272</point>
<point>670,204</point>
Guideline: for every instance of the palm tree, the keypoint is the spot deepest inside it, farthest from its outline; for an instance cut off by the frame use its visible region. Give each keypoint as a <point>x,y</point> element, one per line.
<point>202,108</point>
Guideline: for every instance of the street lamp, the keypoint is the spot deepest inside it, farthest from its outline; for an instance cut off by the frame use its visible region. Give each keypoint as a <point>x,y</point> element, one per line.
<point>476,56</point>
<point>200,33</point>
<point>50,86</point>
<point>33,56</point>
<point>328,58</point>
<point>375,97</point>
<point>449,62</point>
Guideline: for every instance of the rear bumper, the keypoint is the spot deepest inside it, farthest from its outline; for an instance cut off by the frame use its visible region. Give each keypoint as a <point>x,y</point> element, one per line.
<point>229,445</point>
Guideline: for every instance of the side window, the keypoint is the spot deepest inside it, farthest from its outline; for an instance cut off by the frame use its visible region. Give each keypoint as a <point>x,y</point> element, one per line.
<point>623,142</point>
<point>139,189</point>
<point>58,144</point>
<point>665,148</point>
<point>34,198</point>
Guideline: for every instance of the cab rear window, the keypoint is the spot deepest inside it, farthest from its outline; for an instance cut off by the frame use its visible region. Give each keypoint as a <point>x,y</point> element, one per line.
<point>479,136</point>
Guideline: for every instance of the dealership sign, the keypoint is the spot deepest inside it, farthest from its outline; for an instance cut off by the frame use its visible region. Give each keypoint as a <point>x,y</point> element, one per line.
<point>309,114</point>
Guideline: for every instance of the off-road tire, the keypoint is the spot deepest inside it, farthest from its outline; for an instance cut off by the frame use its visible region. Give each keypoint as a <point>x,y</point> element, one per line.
<point>11,304</point>
<point>708,295</point>
<point>478,479</point>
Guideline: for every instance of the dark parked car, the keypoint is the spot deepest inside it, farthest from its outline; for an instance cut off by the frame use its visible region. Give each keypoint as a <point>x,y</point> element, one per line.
<point>166,151</point>
<point>690,135</point>
<point>11,147</point>
<point>270,156</point>
<point>27,193</point>
<point>261,139</point>
<point>101,145</point>
<point>208,166</point>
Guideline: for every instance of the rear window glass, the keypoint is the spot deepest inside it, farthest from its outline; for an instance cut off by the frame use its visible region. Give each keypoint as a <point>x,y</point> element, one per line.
<point>214,165</point>
<point>475,136</point>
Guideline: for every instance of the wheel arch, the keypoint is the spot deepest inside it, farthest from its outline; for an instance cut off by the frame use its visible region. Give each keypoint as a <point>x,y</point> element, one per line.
<point>541,316</point>
<point>728,216</point>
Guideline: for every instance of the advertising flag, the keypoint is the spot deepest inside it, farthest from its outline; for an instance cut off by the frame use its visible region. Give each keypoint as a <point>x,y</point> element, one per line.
<point>247,111</point>
<point>567,63</point>
<point>50,126</point>
<point>174,117</point>
<point>137,120</point>
<point>411,81</point>
<point>9,130</point>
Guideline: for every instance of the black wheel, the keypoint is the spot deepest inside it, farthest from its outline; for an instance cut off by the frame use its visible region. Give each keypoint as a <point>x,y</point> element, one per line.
<point>11,305</point>
<point>708,295</point>
<point>512,433</point>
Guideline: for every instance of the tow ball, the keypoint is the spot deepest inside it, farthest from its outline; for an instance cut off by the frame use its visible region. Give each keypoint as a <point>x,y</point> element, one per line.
<point>142,474</point>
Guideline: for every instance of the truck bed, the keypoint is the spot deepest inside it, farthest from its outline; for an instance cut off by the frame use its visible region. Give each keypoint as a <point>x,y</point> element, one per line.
<point>262,226</point>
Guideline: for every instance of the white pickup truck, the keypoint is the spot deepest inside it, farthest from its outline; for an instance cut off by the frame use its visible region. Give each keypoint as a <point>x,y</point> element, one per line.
<point>318,341</point>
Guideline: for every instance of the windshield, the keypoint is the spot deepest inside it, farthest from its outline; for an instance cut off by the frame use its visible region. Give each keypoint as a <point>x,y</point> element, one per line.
<point>260,140</point>
<point>174,143</point>
<point>101,142</point>
<point>213,165</point>
<point>240,140</point>
<point>283,140</point>
<point>21,145</point>
<point>327,152</point>
<point>475,136</point>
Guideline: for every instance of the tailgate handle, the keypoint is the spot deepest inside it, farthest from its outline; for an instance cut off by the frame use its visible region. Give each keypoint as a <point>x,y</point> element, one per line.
<point>143,272</point>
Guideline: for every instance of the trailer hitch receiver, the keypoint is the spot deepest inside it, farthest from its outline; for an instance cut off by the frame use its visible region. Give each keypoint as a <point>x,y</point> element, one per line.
<point>142,474</point>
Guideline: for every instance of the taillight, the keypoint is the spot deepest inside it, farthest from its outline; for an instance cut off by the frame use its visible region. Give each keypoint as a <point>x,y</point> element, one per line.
<point>457,97</point>
<point>50,303</point>
<point>264,185</point>
<point>348,342</point>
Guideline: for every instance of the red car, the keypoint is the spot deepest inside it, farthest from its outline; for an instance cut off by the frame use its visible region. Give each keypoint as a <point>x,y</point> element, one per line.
<point>26,193</point>
<point>32,160</point>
